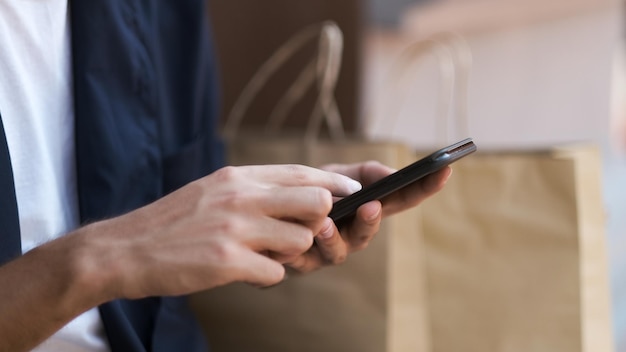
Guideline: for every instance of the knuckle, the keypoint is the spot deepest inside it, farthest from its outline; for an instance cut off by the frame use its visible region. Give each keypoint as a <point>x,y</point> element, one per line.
<point>237,199</point>
<point>324,201</point>
<point>303,265</point>
<point>234,199</point>
<point>300,242</point>
<point>299,173</point>
<point>372,164</point>
<point>338,259</point>
<point>275,274</point>
<point>226,253</point>
<point>305,240</point>
<point>232,226</point>
<point>228,173</point>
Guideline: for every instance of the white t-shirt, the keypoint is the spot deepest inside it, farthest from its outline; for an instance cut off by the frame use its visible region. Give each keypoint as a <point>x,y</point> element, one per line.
<point>36,106</point>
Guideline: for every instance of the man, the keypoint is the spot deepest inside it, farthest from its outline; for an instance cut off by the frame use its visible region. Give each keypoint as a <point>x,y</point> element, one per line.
<point>111,186</point>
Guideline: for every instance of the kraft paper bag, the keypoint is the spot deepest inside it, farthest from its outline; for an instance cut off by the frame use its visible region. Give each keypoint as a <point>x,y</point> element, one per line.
<point>515,243</point>
<point>374,302</point>
<point>515,255</point>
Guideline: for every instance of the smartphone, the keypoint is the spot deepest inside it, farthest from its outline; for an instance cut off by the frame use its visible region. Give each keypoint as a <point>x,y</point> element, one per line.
<point>347,206</point>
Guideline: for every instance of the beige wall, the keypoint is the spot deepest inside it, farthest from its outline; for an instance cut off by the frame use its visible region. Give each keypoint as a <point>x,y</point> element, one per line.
<point>541,83</point>
<point>488,15</point>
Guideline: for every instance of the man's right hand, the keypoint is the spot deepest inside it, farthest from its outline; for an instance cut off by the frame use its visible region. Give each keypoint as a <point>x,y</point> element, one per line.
<point>222,228</point>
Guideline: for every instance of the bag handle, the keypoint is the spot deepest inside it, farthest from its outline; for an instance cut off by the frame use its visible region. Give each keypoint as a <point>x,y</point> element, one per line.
<point>455,60</point>
<point>322,70</point>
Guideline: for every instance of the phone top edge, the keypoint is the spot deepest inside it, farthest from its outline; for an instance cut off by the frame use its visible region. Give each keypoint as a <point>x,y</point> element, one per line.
<point>456,151</point>
<point>466,141</point>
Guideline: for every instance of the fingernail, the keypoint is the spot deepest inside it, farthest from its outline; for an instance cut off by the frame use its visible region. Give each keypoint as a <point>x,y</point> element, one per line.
<point>375,215</point>
<point>327,231</point>
<point>448,177</point>
<point>353,185</point>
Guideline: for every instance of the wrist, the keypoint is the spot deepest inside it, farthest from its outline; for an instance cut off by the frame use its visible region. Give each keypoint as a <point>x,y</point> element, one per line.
<point>49,286</point>
<point>89,265</point>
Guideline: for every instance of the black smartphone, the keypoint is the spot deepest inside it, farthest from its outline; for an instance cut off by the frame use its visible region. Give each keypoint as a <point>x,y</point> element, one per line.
<point>347,206</point>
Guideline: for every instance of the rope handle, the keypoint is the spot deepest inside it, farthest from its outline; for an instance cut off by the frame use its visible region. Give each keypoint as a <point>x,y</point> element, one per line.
<point>455,60</point>
<point>322,71</point>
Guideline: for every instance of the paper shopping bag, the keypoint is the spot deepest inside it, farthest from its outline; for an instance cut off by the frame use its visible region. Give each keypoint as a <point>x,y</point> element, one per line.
<point>515,255</point>
<point>374,302</point>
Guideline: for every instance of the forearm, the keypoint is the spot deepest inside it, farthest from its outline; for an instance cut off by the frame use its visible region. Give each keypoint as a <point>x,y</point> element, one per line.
<point>44,289</point>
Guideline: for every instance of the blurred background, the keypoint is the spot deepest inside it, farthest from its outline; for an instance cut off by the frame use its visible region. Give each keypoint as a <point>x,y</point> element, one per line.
<point>543,73</point>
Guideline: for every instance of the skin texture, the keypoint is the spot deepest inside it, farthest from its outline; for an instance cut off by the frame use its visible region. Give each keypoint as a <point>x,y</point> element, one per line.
<point>238,224</point>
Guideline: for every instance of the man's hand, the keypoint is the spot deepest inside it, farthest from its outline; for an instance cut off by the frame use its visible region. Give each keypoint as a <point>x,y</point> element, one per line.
<point>333,245</point>
<point>222,228</point>
<point>225,227</point>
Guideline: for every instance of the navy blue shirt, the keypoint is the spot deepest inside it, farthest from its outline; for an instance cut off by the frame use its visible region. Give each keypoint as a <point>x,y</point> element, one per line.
<point>145,109</point>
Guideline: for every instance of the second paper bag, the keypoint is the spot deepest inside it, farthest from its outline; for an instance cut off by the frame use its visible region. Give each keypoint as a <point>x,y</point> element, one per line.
<point>515,255</point>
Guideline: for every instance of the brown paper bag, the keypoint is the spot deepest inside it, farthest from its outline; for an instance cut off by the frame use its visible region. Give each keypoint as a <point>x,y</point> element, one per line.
<point>374,302</point>
<point>515,255</point>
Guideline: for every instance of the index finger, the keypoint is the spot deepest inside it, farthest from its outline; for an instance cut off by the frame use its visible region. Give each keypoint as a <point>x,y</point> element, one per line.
<point>299,175</point>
